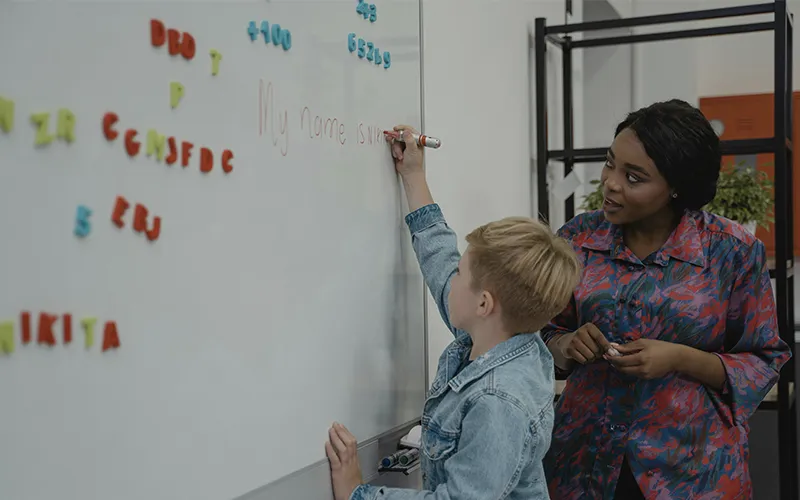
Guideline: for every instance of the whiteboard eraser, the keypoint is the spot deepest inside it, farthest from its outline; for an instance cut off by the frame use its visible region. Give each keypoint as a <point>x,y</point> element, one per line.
<point>413,438</point>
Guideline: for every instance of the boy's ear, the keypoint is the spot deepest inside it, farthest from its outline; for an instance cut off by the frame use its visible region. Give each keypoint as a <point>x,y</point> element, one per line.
<point>487,304</point>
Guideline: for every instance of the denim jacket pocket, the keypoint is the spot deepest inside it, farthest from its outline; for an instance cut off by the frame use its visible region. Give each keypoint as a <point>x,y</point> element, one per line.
<point>438,445</point>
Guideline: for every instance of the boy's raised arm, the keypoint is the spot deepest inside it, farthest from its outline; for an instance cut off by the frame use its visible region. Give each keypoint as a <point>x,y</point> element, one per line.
<point>436,247</point>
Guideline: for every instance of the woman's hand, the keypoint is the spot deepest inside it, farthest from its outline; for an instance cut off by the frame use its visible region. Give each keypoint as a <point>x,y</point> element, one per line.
<point>342,451</point>
<point>408,156</point>
<point>585,345</point>
<point>647,358</point>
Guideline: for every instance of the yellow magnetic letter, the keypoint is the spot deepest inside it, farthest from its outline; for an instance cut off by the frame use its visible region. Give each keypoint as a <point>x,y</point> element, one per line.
<point>155,144</point>
<point>216,57</point>
<point>65,128</point>
<point>176,91</point>
<point>42,120</point>
<point>7,337</point>
<point>6,115</point>
<point>88,328</point>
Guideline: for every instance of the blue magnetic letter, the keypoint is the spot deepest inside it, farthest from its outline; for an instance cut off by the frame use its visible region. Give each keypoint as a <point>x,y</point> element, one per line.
<point>82,224</point>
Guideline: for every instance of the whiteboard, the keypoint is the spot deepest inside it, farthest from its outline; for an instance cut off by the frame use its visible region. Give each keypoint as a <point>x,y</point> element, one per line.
<point>280,292</point>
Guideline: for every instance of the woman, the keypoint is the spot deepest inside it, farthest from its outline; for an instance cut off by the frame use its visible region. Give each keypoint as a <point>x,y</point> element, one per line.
<point>671,340</point>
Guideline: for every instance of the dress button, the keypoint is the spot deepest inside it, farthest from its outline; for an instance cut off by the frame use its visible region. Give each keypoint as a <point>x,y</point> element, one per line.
<point>612,427</point>
<point>424,476</point>
<point>631,268</point>
<point>622,428</point>
<point>650,473</point>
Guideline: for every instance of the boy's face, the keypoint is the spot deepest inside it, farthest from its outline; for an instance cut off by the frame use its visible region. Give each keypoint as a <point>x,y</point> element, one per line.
<point>466,303</point>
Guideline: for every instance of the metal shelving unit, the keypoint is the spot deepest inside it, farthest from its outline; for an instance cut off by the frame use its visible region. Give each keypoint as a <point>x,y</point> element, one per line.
<point>560,37</point>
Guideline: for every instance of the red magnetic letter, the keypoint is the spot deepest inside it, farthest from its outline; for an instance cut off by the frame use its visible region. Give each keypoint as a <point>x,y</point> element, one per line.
<point>46,328</point>
<point>173,151</point>
<point>153,232</point>
<point>26,327</point>
<point>139,218</point>
<point>227,156</point>
<point>206,160</point>
<point>108,122</point>
<point>131,144</point>
<point>173,42</point>
<point>67,328</point>
<point>188,46</point>
<point>187,152</point>
<point>156,32</point>
<point>110,337</point>
<point>119,210</point>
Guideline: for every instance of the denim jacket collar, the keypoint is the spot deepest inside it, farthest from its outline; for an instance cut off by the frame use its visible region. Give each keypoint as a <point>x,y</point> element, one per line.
<point>496,356</point>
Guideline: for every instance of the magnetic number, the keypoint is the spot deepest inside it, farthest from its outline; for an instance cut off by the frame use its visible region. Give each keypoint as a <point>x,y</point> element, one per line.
<point>274,34</point>
<point>368,50</point>
<point>362,48</point>
<point>367,10</point>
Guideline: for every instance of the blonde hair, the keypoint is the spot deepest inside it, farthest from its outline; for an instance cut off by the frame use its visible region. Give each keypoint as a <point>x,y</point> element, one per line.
<point>530,271</point>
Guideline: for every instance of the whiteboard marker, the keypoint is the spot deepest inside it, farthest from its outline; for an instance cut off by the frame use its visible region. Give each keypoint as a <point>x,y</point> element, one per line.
<point>421,139</point>
<point>409,456</point>
<point>392,460</point>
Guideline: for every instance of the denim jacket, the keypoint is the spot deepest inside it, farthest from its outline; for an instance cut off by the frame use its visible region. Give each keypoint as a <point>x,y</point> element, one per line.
<point>487,424</point>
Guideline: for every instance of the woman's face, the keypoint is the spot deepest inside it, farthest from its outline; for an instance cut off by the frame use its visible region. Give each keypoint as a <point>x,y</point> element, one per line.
<point>633,187</point>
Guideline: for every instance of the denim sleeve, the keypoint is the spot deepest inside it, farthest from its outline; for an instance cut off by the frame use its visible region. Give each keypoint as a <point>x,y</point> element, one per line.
<point>436,247</point>
<point>489,460</point>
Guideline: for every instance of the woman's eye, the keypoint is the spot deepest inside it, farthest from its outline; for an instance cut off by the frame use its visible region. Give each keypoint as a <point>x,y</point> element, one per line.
<point>608,164</point>
<point>632,179</point>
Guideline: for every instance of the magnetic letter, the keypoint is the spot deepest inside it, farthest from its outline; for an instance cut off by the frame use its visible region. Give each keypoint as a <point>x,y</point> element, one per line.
<point>67,324</point>
<point>108,123</point>
<point>131,144</point>
<point>153,232</point>
<point>82,224</point>
<point>155,144</point>
<point>6,115</point>
<point>65,127</point>
<point>157,33</point>
<point>46,329</point>
<point>7,337</point>
<point>119,210</point>
<point>88,329</point>
<point>176,91</point>
<point>42,121</point>
<point>139,218</point>
<point>186,153</point>
<point>216,57</point>
<point>227,156</point>
<point>110,337</point>
<point>206,160</point>
<point>173,42</point>
<point>188,47</point>
<point>173,151</point>
<point>25,319</point>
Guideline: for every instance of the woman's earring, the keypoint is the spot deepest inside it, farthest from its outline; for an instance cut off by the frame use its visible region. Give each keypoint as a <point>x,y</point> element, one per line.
<point>674,195</point>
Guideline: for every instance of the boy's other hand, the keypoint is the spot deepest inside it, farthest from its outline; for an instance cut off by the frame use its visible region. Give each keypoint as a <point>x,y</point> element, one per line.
<point>585,345</point>
<point>408,156</point>
<point>342,451</point>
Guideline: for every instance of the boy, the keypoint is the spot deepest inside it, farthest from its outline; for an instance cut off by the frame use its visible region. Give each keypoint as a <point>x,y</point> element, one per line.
<point>488,417</point>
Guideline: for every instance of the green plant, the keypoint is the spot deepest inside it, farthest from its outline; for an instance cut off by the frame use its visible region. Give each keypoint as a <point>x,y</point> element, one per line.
<point>743,195</point>
<point>594,200</point>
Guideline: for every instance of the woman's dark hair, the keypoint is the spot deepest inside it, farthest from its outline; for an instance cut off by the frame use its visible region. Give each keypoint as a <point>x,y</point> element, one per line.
<point>683,146</point>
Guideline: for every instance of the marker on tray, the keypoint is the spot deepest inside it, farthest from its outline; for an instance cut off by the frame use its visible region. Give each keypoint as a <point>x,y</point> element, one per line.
<point>393,459</point>
<point>409,456</point>
<point>422,139</point>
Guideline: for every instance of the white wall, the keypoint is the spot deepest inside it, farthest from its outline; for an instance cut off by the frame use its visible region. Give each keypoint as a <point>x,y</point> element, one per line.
<point>477,101</point>
<point>604,68</point>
